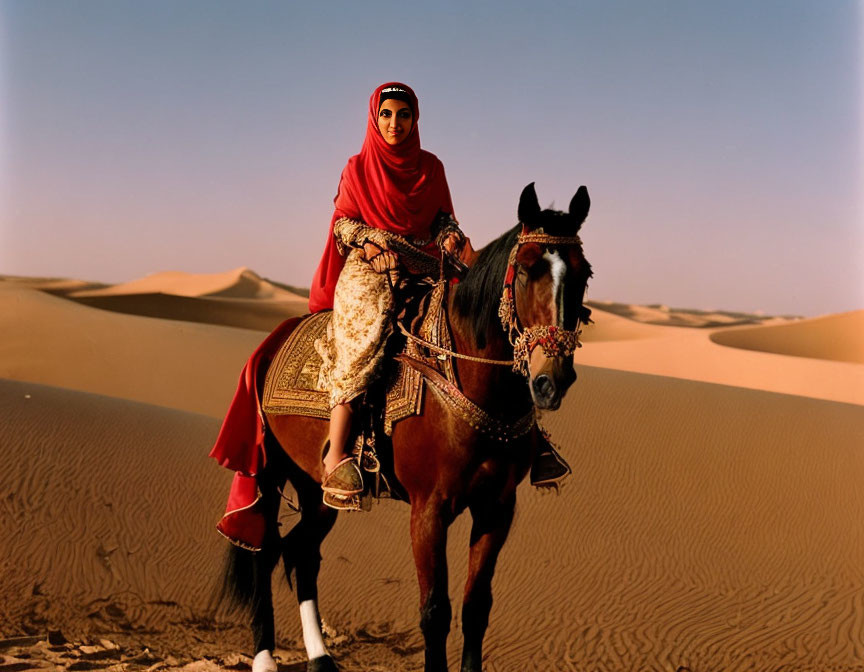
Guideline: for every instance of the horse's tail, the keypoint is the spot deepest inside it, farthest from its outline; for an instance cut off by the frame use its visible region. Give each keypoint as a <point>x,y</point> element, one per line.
<point>246,574</point>
<point>239,576</point>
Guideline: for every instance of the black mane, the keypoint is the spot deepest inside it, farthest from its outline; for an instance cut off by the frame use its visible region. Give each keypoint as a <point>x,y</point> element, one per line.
<point>478,296</point>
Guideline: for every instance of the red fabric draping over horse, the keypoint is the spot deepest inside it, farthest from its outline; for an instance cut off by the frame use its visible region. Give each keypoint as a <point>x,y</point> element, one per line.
<point>398,188</point>
<point>240,444</point>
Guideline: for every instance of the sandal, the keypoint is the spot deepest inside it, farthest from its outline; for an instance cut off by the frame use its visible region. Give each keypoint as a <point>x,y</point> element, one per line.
<point>345,479</point>
<point>343,503</point>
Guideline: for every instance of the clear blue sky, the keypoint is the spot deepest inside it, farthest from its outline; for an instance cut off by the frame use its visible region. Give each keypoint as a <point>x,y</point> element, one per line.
<point>720,141</point>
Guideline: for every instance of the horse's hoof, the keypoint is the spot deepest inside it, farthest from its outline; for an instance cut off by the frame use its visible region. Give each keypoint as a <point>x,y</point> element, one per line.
<point>264,662</point>
<point>322,664</point>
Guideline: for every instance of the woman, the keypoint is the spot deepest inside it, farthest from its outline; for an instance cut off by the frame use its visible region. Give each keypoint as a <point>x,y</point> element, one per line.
<point>391,187</point>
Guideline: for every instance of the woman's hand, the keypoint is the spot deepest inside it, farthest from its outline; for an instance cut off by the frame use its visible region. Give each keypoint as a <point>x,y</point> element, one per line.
<point>380,258</point>
<point>460,247</point>
<point>452,242</point>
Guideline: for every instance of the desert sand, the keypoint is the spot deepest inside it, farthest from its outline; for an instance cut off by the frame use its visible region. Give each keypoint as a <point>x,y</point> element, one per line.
<point>832,337</point>
<point>714,519</point>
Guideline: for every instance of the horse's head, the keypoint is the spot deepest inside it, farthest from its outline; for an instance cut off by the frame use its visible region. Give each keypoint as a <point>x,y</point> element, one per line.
<point>547,277</point>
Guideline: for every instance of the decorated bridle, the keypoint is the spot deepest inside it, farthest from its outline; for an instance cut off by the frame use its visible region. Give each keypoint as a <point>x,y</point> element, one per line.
<point>555,341</point>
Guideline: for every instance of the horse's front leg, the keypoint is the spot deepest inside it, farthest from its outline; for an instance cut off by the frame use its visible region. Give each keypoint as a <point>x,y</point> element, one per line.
<point>489,531</point>
<point>429,523</point>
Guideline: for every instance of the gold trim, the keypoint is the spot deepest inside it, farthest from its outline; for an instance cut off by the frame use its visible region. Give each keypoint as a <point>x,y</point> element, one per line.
<point>290,387</point>
<point>237,542</point>
<point>467,410</point>
<point>404,396</point>
<point>240,544</point>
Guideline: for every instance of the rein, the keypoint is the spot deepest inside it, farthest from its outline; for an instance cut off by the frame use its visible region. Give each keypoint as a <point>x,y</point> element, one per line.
<point>451,353</point>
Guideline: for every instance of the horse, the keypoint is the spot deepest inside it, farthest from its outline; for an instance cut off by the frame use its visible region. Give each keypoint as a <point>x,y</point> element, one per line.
<point>520,303</point>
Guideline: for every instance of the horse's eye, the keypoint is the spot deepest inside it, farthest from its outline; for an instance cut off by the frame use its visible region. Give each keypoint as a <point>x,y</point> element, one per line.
<point>539,269</point>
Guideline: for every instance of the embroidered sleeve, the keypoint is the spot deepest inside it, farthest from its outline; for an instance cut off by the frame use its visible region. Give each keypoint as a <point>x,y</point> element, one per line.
<point>354,233</point>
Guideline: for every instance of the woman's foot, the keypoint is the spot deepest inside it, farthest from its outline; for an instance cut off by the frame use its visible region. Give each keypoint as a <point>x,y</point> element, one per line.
<point>342,482</point>
<point>343,485</point>
<point>345,478</point>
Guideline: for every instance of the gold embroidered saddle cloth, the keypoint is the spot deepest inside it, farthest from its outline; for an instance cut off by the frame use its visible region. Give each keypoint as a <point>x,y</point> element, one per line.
<point>291,384</point>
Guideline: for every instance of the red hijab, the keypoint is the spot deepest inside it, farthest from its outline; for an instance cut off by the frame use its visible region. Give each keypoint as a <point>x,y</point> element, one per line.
<point>398,188</point>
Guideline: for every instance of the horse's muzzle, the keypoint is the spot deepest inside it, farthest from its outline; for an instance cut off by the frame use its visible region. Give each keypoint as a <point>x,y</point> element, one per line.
<point>545,393</point>
<point>548,389</point>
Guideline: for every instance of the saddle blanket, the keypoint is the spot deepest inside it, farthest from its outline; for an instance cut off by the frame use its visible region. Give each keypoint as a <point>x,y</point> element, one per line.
<point>291,384</point>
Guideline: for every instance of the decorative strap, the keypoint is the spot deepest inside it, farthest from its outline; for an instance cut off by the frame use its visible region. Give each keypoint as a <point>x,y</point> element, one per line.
<point>555,342</point>
<point>546,238</point>
<point>470,412</point>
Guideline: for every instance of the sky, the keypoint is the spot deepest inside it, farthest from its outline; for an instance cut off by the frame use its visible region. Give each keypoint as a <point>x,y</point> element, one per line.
<point>721,142</point>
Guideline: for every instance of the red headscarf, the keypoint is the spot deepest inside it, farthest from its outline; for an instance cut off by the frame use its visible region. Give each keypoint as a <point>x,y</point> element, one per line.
<point>398,188</point>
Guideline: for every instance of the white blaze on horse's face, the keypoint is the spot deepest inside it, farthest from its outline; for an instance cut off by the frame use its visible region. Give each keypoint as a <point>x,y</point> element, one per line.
<point>558,270</point>
<point>538,360</point>
<point>551,376</point>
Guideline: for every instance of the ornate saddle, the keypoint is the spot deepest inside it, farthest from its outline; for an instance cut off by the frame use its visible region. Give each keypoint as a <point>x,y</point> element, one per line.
<point>291,383</point>
<point>290,387</point>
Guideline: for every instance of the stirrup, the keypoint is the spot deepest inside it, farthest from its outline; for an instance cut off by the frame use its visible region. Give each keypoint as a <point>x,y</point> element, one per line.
<point>345,479</point>
<point>549,469</point>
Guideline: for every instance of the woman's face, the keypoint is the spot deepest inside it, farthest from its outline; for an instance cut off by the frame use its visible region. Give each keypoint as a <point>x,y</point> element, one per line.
<point>394,121</point>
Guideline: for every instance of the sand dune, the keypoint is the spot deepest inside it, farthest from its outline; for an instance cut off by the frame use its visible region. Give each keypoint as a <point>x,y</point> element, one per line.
<point>692,354</point>
<point>240,283</point>
<point>606,326</point>
<point>681,317</point>
<point>51,340</point>
<point>50,285</point>
<point>259,314</point>
<point>834,337</point>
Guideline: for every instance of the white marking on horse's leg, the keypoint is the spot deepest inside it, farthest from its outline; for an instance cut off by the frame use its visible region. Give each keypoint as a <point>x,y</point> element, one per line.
<point>558,269</point>
<point>312,635</point>
<point>264,662</point>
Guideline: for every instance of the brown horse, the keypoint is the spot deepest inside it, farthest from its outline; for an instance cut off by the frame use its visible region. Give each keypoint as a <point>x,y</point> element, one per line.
<point>540,268</point>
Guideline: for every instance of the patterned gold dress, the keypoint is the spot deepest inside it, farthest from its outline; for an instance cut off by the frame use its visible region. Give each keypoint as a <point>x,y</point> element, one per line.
<point>352,350</point>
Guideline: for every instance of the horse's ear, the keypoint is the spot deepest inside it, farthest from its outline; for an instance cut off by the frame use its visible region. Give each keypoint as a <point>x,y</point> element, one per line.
<point>579,206</point>
<point>529,206</point>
